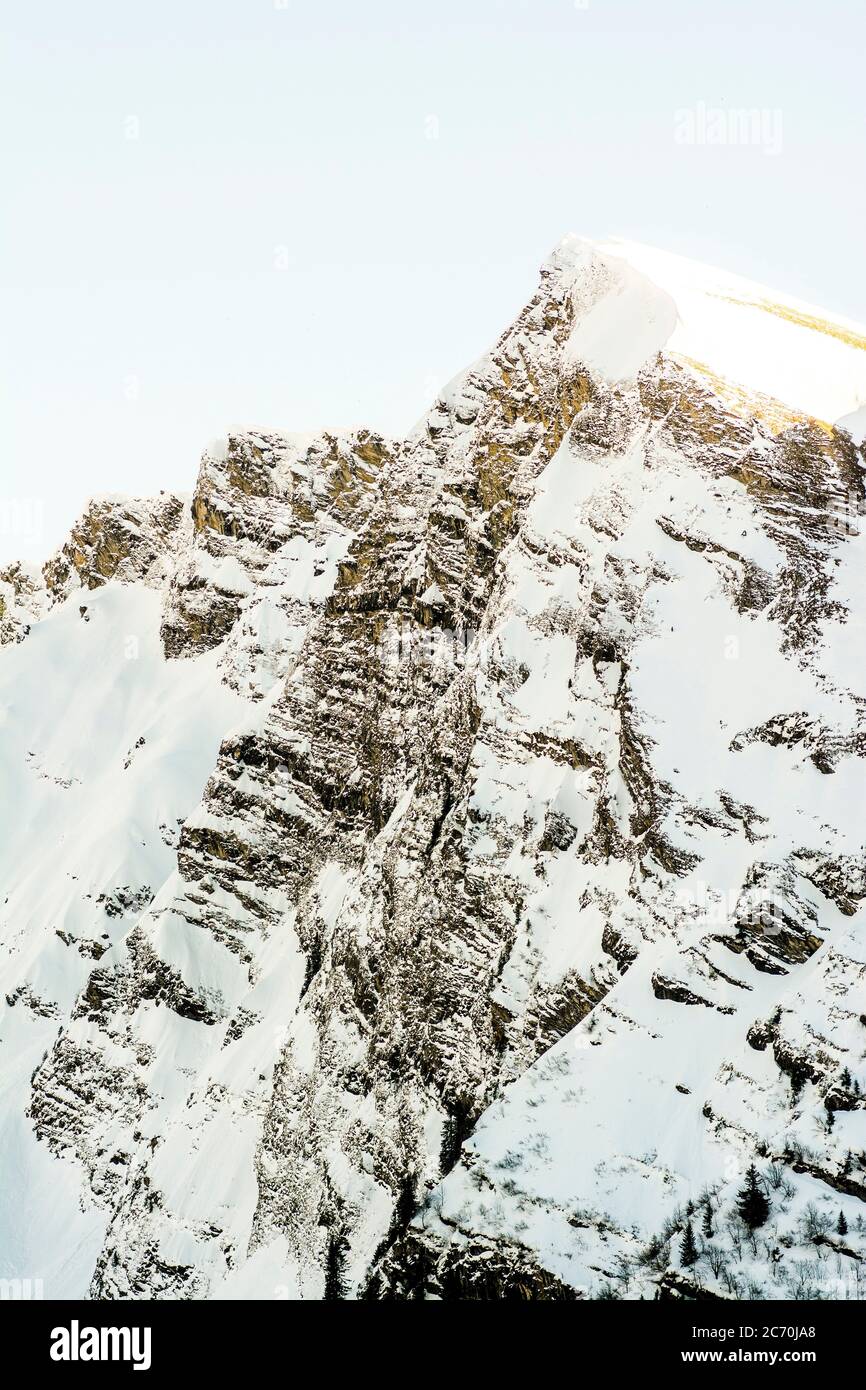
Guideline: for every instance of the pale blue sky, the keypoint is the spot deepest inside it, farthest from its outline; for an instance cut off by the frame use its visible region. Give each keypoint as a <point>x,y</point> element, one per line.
<point>283,243</point>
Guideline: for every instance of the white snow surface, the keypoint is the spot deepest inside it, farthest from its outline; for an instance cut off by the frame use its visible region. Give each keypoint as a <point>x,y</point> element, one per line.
<point>103,746</point>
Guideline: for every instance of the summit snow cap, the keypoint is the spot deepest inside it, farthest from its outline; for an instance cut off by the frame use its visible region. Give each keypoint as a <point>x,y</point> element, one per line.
<point>632,301</point>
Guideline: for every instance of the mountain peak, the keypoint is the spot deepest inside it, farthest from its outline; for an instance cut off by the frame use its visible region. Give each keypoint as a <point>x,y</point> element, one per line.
<point>457,868</point>
<point>727,327</point>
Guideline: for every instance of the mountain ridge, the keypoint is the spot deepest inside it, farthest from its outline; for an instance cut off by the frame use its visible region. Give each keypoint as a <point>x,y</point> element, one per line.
<point>473,773</point>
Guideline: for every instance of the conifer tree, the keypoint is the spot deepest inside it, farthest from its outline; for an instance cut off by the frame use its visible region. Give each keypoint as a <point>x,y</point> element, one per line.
<point>335,1268</point>
<point>752,1201</point>
<point>842,1224</point>
<point>688,1248</point>
<point>708,1221</point>
<point>457,1128</point>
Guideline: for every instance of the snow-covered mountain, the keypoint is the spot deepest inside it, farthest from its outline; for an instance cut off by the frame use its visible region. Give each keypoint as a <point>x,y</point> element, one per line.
<point>433,867</point>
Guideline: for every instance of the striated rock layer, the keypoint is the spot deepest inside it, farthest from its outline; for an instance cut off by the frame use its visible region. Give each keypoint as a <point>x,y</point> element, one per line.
<point>433,868</point>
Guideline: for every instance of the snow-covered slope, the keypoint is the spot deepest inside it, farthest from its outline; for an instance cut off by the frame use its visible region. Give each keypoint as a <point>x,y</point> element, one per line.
<point>434,866</point>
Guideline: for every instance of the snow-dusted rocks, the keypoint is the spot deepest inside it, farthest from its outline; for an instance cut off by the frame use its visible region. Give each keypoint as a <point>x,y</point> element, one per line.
<point>459,846</point>
<point>119,538</point>
<point>22,600</point>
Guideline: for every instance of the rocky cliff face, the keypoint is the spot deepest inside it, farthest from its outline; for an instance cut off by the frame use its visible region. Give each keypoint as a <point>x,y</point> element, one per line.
<point>459,839</point>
